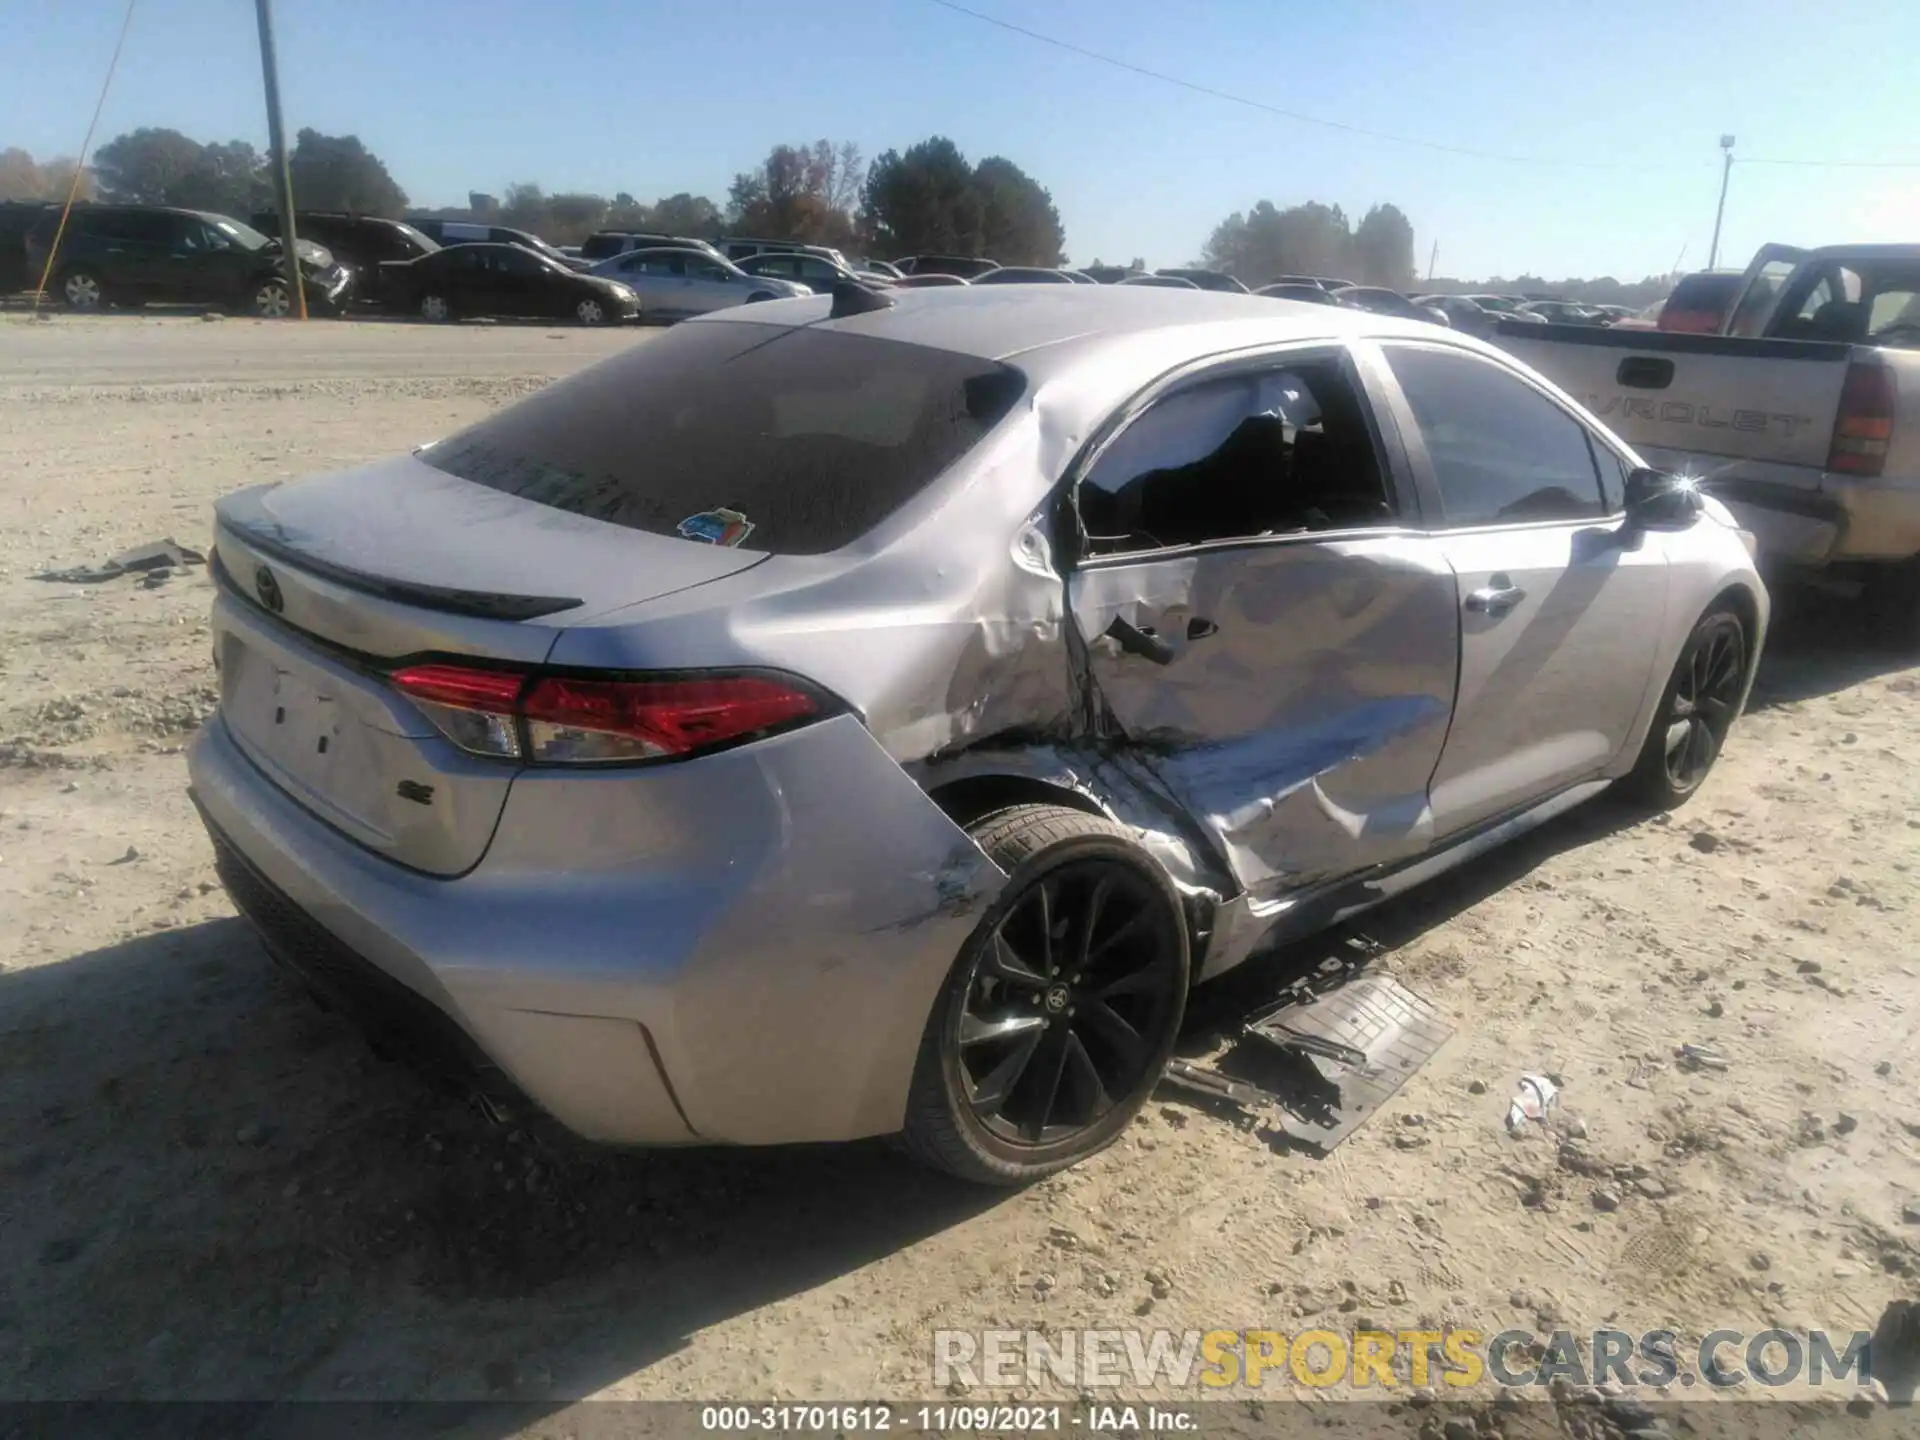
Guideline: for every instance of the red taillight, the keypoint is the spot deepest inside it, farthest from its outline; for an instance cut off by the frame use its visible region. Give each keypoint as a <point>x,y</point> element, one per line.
<point>1863,430</point>
<point>645,719</point>
<point>491,690</point>
<point>558,719</point>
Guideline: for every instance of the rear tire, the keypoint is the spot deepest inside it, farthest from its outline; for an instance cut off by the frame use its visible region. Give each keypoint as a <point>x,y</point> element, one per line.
<point>1057,1019</point>
<point>1697,710</point>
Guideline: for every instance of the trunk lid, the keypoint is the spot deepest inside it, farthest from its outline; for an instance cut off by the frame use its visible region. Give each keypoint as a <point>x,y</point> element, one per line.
<point>402,530</point>
<point>325,583</point>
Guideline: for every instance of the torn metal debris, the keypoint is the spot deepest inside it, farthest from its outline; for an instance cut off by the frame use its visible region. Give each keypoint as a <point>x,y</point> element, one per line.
<point>1324,1064</point>
<point>159,557</point>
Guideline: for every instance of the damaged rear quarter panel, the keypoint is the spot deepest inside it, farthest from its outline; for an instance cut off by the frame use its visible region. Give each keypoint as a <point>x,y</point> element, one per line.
<point>944,627</point>
<point>811,901</point>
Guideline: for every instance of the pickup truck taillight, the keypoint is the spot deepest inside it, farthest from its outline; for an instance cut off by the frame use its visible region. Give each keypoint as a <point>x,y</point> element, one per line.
<point>1863,430</point>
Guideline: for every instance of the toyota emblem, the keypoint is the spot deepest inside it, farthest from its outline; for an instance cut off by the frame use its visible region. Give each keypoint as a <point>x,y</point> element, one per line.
<point>268,589</point>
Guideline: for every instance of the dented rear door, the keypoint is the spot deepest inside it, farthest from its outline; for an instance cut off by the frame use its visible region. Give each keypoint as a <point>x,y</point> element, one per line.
<point>1292,692</point>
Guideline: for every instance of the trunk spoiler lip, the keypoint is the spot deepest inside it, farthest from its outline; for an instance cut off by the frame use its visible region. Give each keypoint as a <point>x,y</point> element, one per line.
<point>481,604</point>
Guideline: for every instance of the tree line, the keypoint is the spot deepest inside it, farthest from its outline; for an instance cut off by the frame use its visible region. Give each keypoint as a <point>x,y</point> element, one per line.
<point>1260,245</point>
<point>928,198</point>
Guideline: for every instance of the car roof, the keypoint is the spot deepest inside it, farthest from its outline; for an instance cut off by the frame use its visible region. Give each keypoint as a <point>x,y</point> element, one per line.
<point>993,324</point>
<point>686,250</point>
<point>1865,252</point>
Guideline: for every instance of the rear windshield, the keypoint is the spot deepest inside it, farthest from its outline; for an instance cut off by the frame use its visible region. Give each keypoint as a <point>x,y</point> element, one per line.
<point>792,442</point>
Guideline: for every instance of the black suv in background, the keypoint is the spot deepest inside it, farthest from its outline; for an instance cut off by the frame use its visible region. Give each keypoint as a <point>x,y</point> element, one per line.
<point>133,254</point>
<point>360,242</point>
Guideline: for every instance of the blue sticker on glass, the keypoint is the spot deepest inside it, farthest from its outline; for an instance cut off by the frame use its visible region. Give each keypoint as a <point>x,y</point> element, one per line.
<point>717,527</point>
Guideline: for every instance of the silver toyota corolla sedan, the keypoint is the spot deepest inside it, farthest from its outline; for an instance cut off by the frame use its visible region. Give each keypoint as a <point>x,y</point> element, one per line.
<point>870,715</point>
<point>675,284</point>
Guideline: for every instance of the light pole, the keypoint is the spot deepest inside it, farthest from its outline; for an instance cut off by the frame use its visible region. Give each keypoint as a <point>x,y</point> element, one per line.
<point>1726,174</point>
<point>277,141</point>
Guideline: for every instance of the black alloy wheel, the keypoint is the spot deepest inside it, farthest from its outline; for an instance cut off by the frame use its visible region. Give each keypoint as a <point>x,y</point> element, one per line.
<point>1706,696</point>
<point>1697,710</point>
<point>1067,1005</point>
<point>1058,1017</point>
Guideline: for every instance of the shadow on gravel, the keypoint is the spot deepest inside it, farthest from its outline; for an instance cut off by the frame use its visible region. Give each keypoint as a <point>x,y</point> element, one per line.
<point>1399,922</point>
<point>211,1189</point>
<point>1820,643</point>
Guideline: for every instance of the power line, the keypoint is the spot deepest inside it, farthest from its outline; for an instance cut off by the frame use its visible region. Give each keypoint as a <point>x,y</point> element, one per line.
<point>1302,118</point>
<point>1251,104</point>
<point>79,165</point>
<point>1834,164</point>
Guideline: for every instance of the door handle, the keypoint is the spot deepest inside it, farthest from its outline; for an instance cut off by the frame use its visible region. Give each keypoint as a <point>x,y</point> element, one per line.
<point>1496,597</point>
<point>1140,640</point>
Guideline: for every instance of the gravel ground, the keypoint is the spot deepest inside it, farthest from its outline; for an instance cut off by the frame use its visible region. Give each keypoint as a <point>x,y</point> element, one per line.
<point>211,1191</point>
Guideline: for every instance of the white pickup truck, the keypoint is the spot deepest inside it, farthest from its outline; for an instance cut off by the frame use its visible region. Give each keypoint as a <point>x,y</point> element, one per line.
<point>1803,415</point>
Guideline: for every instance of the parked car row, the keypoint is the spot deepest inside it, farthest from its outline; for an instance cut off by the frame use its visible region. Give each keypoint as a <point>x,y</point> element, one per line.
<point>137,254</point>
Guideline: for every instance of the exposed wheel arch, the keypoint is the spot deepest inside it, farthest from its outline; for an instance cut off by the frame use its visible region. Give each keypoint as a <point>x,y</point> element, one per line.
<point>965,800</point>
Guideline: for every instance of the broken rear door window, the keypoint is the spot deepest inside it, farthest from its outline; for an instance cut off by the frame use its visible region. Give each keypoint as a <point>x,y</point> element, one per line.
<point>1272,452</point>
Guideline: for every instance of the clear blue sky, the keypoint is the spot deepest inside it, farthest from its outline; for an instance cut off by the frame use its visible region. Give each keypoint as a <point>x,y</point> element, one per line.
<point>1623,105</point>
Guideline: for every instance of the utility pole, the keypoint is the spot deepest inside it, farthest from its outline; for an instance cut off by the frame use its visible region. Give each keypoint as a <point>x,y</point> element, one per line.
<point>277,140</point>
<point>1433,259</point>
<point>1726,174</point>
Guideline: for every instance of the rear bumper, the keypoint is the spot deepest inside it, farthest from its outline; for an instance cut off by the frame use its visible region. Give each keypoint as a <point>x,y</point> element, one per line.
<point>762,978</point>
<point>1808,517</point>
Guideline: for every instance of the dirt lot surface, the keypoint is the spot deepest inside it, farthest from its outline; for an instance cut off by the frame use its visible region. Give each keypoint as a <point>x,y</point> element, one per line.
<point>209,1189</point>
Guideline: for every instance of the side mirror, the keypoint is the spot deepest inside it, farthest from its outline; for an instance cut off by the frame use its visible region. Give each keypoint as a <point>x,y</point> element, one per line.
<point>1656,500</point>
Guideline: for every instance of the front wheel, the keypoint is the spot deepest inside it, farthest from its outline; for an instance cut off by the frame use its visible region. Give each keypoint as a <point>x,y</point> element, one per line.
<point>1696,711</point>
<point>1057,1019</point>
<point>759,295</point>
<point>272,300</point>
<point>436,308</point>
<point>591,311</point>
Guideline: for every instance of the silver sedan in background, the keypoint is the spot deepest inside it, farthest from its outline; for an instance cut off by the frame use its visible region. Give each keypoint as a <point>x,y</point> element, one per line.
<point>678,284</point>
<point>872,713</point>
